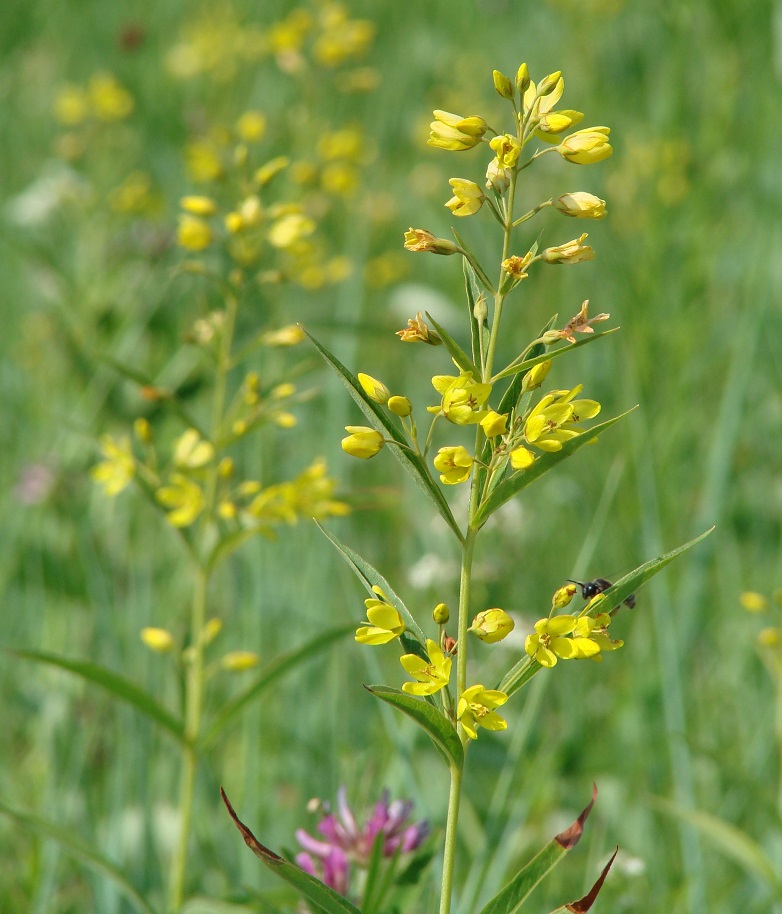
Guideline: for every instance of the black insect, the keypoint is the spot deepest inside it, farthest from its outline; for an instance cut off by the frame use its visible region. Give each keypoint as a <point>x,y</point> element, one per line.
<point>591,589</point>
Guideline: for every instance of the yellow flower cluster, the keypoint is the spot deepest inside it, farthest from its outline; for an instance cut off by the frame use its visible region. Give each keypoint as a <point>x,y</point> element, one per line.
<point>102,99</point>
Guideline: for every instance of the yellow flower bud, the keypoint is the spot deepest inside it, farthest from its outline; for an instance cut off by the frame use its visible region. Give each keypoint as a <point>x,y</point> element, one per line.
<point>581,205</point>
<point>468,197</point>
<point>521,458</point>
<point>502,84</point>
<point>536,375</point>
<point>211,630</point>
<point>753,602</point>
<point>441,614</point>
<point>494,424</point>
<point>400,406</point>
<point>193,233</point>
<point>455,133</point>
<point>492,625</point>
<point>420,241</point>
<point>549,83</point>
<point>157,639</point>
<point>198,206</point>
<point>374,389</point>
<point>268,171</point>
<point>233,223</point>
<point>574,251</point>
<point>497,177</point>
<point>237,661</point>
<point>522,78</point>
<point>363,442</point>
<point>586,146</point>
<point>563,596</point>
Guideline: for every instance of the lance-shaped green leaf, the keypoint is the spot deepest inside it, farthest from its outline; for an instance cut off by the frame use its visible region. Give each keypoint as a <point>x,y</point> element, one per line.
<point>413,463</point>
<point>370,577</point>
<point>551,354</point>
<point>323,897</point>
<point>477,332</point>
<point>116,685</point>
<point>457,353</point>
<point>614,596</point>
<point>520,480</point>
<point>281,665</point>
<point>518,889</point>
<point>439,728</point>
<point>67,839</point>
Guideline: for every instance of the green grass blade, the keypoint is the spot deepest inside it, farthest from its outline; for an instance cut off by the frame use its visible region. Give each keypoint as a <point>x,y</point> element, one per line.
<point>278,668</point>
<point>116,685</point>
<point>429,718</point>
<point>371,577</point>
<point>66,839</point>
<point>514,484</point>
<point>510,898</point>
<point>457,353</point>
<point>312,889</point>
<point>413,463</point>
<point>551,354</point>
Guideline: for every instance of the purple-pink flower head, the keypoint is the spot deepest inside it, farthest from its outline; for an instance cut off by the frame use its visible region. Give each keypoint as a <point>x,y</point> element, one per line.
<point>346,841</point>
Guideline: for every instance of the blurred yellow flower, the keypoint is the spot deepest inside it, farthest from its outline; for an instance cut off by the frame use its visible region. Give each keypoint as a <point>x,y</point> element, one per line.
<point>521,458</point>
<point>198,205</point>
<point>183,499</point>
<point>289,229</point>
<point>753,602</point>
<point>191,451</point>
<point>238,661</point>
<point>251,126</point>
<point>157,639</point>
<point>430,676</point>
<point>193,233</point>
<point>116,471</point>
<point>108,99</point>
<point>71,106</point>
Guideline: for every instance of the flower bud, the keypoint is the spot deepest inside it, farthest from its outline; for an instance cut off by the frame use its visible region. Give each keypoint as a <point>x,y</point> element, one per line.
<point>363,442</point>
<point>494,424</point>
<point>480,309</point>
<point>497,177</point>
<point>563,596</point>
<point>536,376</point>
<point>492,625</point>
<point>549,83</point>
<point>441,614</point>
<point>574,251</point>
<point>502,84</point>
<point>421,241</point>
<point>585,147</point>
<point>198,206</point>
<point>455,133</point>
<point>400,406</point>
<point>374,389</point>
<point>522,78</point>
<point>467,199</point>
<point>157,639</point>
<point>237,661</point>
<point>581,205</point>
<point>210,631</point>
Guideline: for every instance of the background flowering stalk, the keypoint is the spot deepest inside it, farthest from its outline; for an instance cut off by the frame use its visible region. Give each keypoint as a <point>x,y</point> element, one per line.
<point>518,435</point>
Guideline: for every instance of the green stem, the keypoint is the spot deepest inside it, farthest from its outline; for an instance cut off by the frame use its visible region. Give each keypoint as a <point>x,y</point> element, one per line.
<point>195,673</point>
<point>449,852</point>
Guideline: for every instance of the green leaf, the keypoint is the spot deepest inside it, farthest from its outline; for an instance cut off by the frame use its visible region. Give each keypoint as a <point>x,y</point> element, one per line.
<point>551,354</point>
<point>413,463</point>
<point>323,897</point>
<point>521,479</point>
<point>70,843</point>
<point>510,898</point>
<point>439,728</point>
<point>537,355</point>
<point>117,685</point>
<point>371,577</point>
<point>615,595</point>
<point>476,270</point>
<point>275,670</point>
<point>470,288</point>
<point>457,353</point>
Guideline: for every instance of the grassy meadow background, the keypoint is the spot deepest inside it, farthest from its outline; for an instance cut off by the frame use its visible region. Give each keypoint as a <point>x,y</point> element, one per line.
<point>682,719</point>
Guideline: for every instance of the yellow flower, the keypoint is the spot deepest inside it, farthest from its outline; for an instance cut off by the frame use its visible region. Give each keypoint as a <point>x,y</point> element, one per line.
<point>536,376</point>
<point>455,133</point>
<point>291,228</point>
<point>521,458</point>
<point>516,266</point>
<point>198,205</point>
<point>492,625</point>
<point>556,122</point>
<point>374,389</point>
<point>507,149</point>
<point>109,101</point>
<point>574,251</point>
<point>203,161</point>
<point>468,197</point>
<point>476,708</point>
<point>71,106</point>
<point>753,602</point>
<point>384,623</point>
<point>550,642</point>
<point>586,146</point>
<point>291,335</point>
<point>417,331</point>
<point>545,426</point>
<point>251,127</point>
<point>494,424</point>
<point>270,170</point>
<point>183,498</point>
<point>237,661</point>
<point>462,398</point>
<point>454,464</point>
<point>431,676</point>
<point>581,323</point>
<point>581,205</point>
<point>193,233</point>
<point>191,451</point>
<point>420,241</point>
<point>363,442</point>
<point>116,471</point>
<point>769,637</point>
<point>157,639</point>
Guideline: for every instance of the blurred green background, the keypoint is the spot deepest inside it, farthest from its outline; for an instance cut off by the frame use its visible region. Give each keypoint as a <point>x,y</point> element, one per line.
<point>683,718</point>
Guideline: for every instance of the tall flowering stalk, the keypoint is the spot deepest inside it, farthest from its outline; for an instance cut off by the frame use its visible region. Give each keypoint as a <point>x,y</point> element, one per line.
<point>491,427</point>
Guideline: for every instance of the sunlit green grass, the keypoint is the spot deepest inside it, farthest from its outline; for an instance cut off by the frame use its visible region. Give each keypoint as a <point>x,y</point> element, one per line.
<point>686,265</point>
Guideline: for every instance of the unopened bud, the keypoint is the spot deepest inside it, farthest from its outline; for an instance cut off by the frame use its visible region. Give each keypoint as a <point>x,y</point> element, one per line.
<point>563,596</point>
<point>236,661</point>
<point>441,614</point>
<point>502,84</point>
<point>374,389</point>
<point>400,406</point>
<point>536,376</point>
<point>480,309</point>
<point>157,639</point>
<point>211,630</point>
<point>549,83</point>
<point>522,78</point>
<point>492,625</point>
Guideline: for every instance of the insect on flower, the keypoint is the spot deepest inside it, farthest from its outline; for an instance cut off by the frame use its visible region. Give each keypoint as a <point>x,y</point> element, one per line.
<point>591,589</point>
